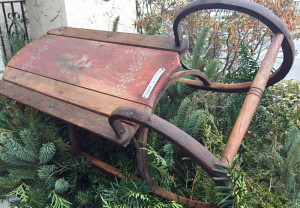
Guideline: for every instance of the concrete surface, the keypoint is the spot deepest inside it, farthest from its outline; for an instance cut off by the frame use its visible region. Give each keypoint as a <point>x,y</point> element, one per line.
<point>4,204</point>
<point>44,15</point>
<point>295,71</point>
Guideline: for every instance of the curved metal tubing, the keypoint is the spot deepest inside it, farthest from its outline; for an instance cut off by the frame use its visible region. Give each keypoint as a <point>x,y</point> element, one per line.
<point>204,80</point>
<point>254,10</point>
<point>157,190</point>
<point>141,155</point>
<point>170,132</point>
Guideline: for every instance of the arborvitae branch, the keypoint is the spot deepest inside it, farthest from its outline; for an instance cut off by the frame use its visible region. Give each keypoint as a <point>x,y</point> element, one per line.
<point>21,192</point>
<point>58,202</point>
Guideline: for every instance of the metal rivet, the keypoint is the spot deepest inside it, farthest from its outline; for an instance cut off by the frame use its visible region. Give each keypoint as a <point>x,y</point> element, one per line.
<point>51,105</point>
<point>150,119</point>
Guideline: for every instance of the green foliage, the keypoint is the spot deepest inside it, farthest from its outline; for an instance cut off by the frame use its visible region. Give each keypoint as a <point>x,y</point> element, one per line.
<point>58,202</point>
<point>14,153</point>
<point>169,149</point>
<point>235,194</point>
<point>45,171</point>
<point>194,123</point>
<point>47,152</point>
<point>211,68</point>
<point>154,29</point>
<point>158,166</point>
<point>266,158</point>
<point>247,70</point>
<point>128,193</point>
<point>291,164</point>
<point>200,59</point>
<point>61,186</point>
<point>21,192</point>
<point>20,152</point>
<point>116,24</point>
<point>17,39</point>
<point>84,198</point>
<point>197,61</point>
<point>180,119</point>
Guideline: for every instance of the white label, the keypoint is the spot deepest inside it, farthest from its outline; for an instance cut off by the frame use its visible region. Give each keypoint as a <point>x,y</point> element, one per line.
<point>153,82</point>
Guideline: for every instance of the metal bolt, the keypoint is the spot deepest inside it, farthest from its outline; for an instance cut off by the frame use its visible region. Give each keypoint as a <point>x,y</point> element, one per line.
<point>150,119</point>
<point>51,105</point>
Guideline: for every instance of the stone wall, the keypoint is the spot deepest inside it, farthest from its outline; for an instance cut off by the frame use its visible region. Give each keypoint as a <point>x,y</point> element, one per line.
<point>100,14</point>
<point>91,14</point>
<point>44,15</point>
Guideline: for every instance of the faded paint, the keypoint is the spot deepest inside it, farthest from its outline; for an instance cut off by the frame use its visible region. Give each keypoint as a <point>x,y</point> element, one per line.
<point>123,71</point>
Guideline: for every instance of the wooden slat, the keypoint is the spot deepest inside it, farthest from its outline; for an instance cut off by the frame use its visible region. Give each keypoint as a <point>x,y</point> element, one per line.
<point>251,101</point>
<point>81,117</point>
<point>118,70</point>
<point>145,41</point>
<point>88,99</point>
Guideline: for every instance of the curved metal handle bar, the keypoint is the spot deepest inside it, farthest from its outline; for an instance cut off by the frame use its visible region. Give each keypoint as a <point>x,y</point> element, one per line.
<point>205,81</point>
<point>254,10</point>
<point>207,84</point>
<point>172,133</point>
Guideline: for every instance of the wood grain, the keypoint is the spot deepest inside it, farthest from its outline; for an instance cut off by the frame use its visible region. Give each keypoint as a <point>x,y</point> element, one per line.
<point>118,70</point>
<point>91,100</point>
<point>251,102</point>
<point>139,40</point>
<point>81,117</point>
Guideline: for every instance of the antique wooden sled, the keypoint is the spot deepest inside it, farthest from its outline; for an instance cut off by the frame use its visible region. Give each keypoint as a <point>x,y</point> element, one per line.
<point>110,83</point>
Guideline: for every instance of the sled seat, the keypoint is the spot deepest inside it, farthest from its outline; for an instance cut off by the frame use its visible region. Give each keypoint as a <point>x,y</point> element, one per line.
<point>81,76</point>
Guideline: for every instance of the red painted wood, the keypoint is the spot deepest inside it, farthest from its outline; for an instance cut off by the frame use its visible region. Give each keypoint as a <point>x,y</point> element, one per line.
<point>119,70</point>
